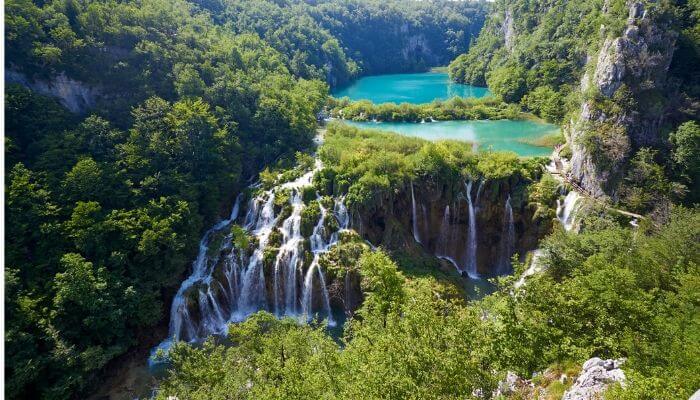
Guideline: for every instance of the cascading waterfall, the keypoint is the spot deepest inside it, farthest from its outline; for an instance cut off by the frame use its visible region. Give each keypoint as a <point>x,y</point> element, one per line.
<point>566,211</point>
<point>471,234</point>
<point>507,239</point>
<point>180,320</point>
<point>318,246</point>
<point>208,300</point>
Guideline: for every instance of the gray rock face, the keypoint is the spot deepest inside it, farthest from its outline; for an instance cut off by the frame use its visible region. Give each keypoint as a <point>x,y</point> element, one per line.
<point>75,96</point>
<point>596,377</point>
<point>639,59</point>
<point>509,30</point>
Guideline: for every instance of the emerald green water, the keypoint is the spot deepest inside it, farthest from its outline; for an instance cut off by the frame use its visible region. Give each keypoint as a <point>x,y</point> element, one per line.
<point>500,135</point>
<point>408,88</point>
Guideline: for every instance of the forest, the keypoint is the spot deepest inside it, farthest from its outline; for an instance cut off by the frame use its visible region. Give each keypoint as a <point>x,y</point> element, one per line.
<point>135,129</point>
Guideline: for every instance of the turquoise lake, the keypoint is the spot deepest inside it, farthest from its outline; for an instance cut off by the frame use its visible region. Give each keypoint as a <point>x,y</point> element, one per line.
<point>408,88</point>
<point>500,135</point>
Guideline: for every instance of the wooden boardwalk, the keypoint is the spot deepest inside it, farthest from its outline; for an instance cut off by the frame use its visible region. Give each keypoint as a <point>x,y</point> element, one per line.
<point>567,178</point>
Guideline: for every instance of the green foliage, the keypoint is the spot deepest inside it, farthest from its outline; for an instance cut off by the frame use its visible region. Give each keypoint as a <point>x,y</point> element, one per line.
<point>609,292</point>
<point>543,195</point>
<point>686,155</point>
<point>309,218</point>
<point>187,110</point>
<point>507,82</point>
<point>453,109</point>
<point>546,103</point>
<point>369,165</point>
<point>240,238</point>
<point>646,184</point>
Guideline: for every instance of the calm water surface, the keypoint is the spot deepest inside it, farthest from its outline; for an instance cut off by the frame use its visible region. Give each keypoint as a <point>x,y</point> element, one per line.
<point>501,135</point>
<point>408,88</point>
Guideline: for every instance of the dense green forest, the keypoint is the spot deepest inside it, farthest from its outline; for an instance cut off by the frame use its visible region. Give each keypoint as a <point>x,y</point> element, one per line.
<point>131,126</point>
<point>338,40</point>
<point>536,53</point>
<point>174,105</point>
<point>411,342</point>
<point>609,291</point>
<point>104,211</point>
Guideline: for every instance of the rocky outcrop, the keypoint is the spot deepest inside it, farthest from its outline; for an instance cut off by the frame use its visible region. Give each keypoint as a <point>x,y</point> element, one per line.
<point>441,222</point>
<point>597,375</point>
<point>624,102</point>
<point>74,95</point>
<point>509,30</point>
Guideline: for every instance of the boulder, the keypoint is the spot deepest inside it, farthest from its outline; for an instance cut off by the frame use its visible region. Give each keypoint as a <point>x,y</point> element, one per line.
<point>596,376</point>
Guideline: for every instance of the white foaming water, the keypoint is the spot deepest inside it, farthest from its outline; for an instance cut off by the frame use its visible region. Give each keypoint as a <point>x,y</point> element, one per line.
<point>471,234</point>
<point>507,239</point>
<point>566,212</point>
<point>208,301</point>
<point>534,268</point>
<point>445,233</point>
<point>416,234</point>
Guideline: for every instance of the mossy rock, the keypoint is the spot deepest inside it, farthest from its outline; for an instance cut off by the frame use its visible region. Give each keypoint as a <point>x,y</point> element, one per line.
<point>330,223</point>
<point>284,213</point>
<point>308,194</point>
<point>327,202</point>
<point>275,238</point>
<point>240,238</point>
<point>282,197</point>
<point>269,257</point>
<point>309,218</point>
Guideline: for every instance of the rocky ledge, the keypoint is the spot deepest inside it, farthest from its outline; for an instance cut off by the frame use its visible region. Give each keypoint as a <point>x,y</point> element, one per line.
<point>595,378</point>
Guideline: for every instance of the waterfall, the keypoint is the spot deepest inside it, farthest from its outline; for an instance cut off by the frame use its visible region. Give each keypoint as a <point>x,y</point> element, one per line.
<point>534,267</point>
<point>566,212</point>
<point>307,296</point>
<point>179,314</point>
<point>287,261</point>
<point>477,202</point>
<point>249,280</point>
<point>416,234</point>
<point>445,227</point>
<point>471,235</point>
<point>507,240</point>
<point>318,246</point>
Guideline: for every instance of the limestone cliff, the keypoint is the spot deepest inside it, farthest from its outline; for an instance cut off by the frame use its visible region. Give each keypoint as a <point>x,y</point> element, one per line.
<point>74,95</point>
<point>437,216</point>
<point>624,101</point>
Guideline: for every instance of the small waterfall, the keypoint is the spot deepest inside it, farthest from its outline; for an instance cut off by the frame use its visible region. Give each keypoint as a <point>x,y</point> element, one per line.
<point>471,235</point>
<point>287,261</point>
<point>307,296</point>
<point>318,246</point>
<point>566,212</point>
<point>341,213</point>
<point>532,269</point>
<point>445,232</point>
<point>416,234</point>
<point>507,240</point>
<point>477,202</point>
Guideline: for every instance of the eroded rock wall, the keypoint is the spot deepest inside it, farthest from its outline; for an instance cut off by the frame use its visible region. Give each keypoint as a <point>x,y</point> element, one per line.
<point>624,100</point>
<point>442,221</point>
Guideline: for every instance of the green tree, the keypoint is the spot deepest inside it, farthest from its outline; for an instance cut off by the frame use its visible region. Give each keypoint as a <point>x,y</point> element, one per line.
<point>507,82</point>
